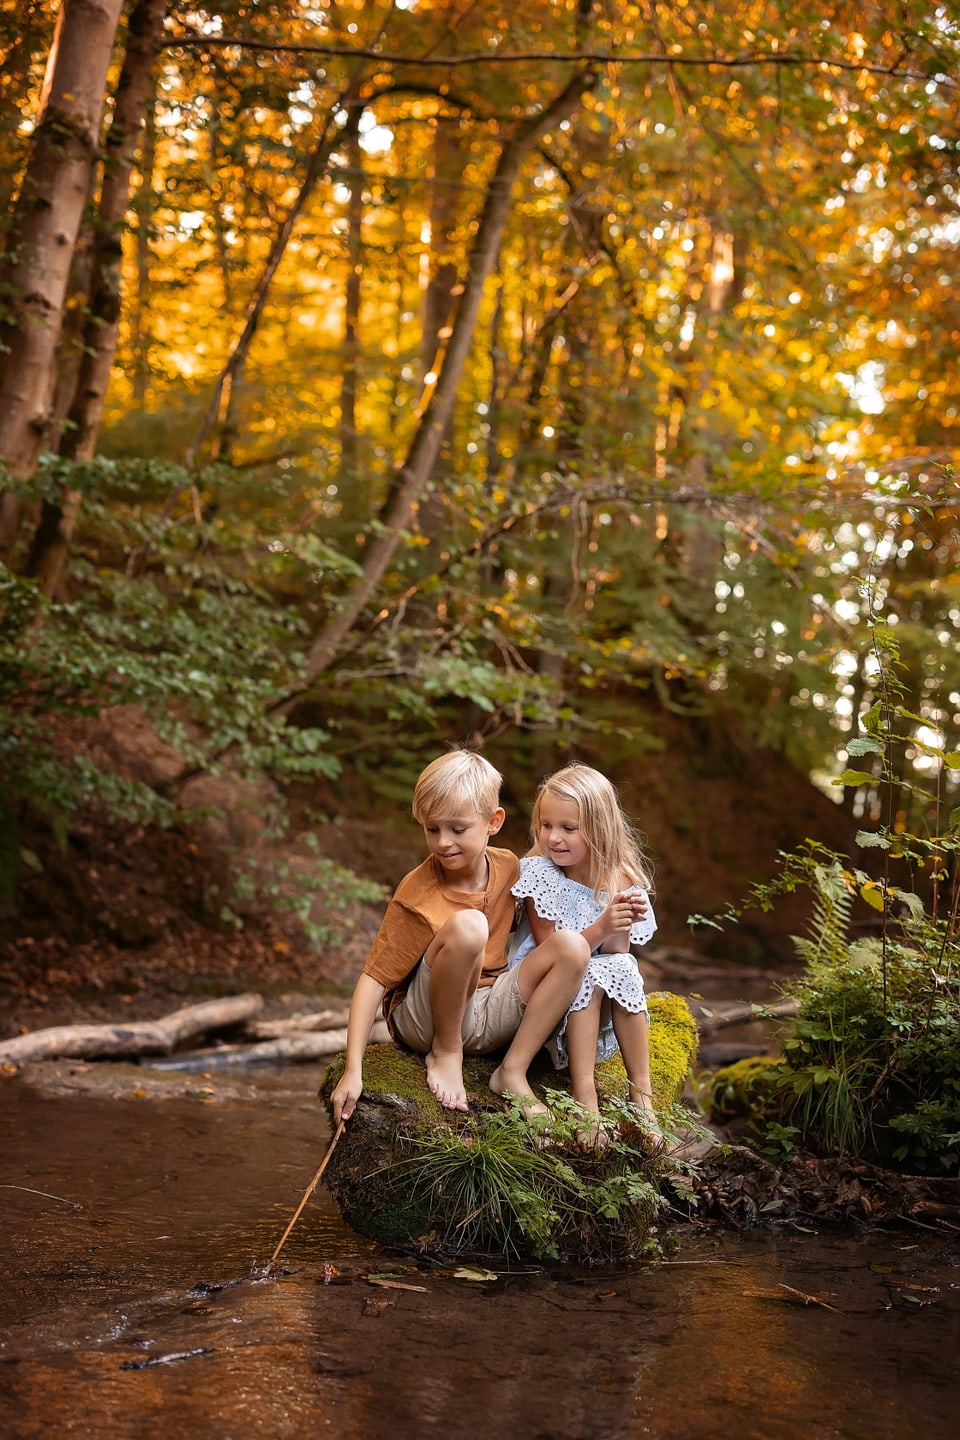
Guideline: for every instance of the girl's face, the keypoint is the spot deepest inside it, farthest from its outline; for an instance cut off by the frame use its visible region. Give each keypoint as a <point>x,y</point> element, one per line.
<point>560,837</point>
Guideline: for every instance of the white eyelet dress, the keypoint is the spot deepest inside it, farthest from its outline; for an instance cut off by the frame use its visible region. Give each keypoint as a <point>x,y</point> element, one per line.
<point>572,906</point>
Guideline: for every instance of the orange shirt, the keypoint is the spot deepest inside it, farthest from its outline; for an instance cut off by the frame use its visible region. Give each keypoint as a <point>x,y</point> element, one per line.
<point>421,904</point>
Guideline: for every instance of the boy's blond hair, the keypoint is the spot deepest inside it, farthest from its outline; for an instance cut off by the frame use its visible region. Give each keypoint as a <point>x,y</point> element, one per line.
<point>460,782</point>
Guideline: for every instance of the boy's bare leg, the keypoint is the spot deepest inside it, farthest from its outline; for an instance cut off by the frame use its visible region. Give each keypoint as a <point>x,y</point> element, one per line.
<point>454,959</point>
<point>549,978</point>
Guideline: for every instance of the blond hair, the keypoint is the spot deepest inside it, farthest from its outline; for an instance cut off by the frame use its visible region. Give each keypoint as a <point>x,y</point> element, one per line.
<point>617,860</point>
<point>459,782</point>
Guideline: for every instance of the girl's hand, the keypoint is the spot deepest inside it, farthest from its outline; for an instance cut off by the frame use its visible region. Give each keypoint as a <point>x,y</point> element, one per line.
<point>637,901</point>
<point>622,912</point>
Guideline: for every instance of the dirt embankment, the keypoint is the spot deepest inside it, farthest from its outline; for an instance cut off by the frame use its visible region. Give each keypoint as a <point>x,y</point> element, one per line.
<point>132,917</point>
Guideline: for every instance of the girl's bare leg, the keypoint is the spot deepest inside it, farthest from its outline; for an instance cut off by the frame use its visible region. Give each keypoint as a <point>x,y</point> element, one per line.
<point>583,1030</point>
<point>549,978</point>
<point>633,1037</point>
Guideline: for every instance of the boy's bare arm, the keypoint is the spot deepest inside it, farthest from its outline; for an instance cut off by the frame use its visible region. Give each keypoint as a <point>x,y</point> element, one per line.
<point>363,1011</point>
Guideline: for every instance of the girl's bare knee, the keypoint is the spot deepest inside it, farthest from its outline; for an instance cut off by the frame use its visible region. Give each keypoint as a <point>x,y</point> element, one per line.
<point>573,950</point>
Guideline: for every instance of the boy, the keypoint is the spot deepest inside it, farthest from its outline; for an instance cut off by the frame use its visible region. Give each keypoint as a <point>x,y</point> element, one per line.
<point>438,964</point>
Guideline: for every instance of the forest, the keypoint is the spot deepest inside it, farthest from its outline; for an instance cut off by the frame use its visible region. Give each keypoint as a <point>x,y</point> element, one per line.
<point>568,379</point>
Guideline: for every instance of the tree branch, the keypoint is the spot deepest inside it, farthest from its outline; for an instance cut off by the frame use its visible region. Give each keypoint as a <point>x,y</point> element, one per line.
<point>597,57</point>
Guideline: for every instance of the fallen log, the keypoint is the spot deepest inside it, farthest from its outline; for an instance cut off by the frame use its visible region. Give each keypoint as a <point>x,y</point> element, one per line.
<point>297,1024</point>
<point>741,1014</point>
<point>143,1037</point>
<point>315,1045</point>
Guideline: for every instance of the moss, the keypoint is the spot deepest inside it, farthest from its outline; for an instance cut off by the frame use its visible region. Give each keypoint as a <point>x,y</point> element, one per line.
<point>391,1070</point>
<point>374,1176</point>
<point>743,1087</point>
<point>673,1048</point>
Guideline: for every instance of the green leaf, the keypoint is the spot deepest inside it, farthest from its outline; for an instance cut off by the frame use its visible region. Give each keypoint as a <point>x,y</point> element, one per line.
<point>856,777</point>
<point>873,896</point>
<point>913,903</point>
<point>864,745</point>
<point>870,840</point>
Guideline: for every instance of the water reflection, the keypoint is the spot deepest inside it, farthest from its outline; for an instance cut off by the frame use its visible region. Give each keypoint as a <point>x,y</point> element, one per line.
<point>173,1204</point>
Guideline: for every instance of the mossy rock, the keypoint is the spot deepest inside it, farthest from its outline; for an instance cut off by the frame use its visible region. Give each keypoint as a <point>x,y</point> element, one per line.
<point>744,1087</point>
<point>377,1174</point>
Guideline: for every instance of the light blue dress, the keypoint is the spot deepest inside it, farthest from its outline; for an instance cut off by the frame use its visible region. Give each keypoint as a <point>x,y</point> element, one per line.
<point>572,906</point>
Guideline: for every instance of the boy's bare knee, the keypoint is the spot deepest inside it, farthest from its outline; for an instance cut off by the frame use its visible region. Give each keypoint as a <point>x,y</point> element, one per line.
<point>467,930</point>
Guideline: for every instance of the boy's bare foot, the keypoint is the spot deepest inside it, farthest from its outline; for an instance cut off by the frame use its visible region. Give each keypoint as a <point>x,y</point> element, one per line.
<point>517,1089</point>
<point>445,1081</point>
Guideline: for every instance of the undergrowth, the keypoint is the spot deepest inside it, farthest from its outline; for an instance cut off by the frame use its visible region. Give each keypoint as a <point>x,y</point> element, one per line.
<point>498,1186</point>
<point>871,1064</point>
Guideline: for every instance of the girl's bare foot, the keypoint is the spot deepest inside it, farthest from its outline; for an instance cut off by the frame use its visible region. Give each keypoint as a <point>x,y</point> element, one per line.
<point>591,1134</point>
<point>644,1132</point>
<point>445,1081</point>
<point>517,1090</point>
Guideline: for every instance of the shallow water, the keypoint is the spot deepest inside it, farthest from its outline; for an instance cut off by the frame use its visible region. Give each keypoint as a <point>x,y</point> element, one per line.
<point>157,1216</point>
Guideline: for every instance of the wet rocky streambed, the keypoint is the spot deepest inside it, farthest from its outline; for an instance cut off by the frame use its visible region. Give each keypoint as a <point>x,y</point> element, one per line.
<point>139,1206</point>
<point>136,1224</point>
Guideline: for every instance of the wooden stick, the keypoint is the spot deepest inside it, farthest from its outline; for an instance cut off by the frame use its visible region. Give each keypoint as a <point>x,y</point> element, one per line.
<point>306,1194</point>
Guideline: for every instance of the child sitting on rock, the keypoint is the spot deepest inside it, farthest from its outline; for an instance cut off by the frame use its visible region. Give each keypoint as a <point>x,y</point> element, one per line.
<point>438,965</point>
<point>585,874</point>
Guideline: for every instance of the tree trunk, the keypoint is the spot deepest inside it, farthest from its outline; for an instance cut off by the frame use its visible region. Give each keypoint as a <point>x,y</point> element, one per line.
<point>143,205</point>
<point>414,474</point>
<point>439,272</point>
<point>144,37</point>
<point>349,438</point>
<point>46,223</point>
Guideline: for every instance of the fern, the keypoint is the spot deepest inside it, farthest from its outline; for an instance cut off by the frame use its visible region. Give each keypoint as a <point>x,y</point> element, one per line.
<point>830,921</point>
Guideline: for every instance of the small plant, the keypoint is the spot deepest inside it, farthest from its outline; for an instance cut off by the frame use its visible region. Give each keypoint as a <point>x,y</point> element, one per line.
<point>873,1065</point>
<point>497,1184</point>
<point>871,1062</point>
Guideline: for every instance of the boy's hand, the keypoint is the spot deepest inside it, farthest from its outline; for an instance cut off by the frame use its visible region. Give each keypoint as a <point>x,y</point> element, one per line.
<point>345,1096</point>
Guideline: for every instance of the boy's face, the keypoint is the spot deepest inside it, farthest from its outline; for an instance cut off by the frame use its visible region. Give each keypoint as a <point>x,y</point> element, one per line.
<point>459,842</point>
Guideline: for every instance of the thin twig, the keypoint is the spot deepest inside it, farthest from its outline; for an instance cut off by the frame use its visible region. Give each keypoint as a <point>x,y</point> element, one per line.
<point>306,1195</point>
<point>75,1204</point>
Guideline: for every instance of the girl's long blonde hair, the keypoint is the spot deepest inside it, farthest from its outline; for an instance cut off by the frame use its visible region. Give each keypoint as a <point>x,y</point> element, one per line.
<point>615,847</point>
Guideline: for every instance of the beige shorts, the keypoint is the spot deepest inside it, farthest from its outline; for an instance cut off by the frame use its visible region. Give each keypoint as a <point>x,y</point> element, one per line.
<point>490,1021</point>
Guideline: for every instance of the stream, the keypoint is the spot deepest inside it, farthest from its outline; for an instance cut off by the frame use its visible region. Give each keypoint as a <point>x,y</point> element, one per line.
<point>138,1212</point>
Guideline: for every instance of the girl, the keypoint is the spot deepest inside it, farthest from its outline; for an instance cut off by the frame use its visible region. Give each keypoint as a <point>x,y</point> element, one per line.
<point>585,872</point>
